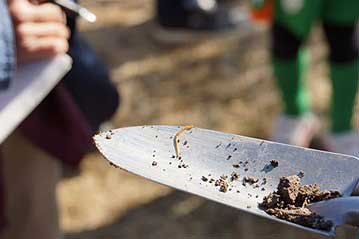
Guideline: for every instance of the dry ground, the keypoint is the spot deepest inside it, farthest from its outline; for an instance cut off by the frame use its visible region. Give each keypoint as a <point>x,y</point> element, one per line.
<point>221,82</point>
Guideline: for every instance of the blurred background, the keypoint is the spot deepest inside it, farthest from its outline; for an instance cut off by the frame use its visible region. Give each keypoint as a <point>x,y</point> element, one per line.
<point>223,82</point>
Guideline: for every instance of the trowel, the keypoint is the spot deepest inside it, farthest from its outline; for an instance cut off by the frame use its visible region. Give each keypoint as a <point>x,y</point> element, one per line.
<point>194,160</point>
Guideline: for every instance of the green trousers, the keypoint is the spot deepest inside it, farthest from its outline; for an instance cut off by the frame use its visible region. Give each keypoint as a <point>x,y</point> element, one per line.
<point>298,17</point>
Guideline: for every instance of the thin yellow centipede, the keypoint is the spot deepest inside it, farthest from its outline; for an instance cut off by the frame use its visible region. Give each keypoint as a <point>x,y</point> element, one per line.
<point>176,139</point>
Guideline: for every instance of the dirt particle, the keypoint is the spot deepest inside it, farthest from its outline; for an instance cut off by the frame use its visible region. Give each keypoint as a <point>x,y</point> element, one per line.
<point>109,136</point>
<point>154,163</point>
<point>264,181</point>
<point>246,169</point>
<point>229,157</point>
<point>235,165</point>
<point>223,188</point>
<point>250,180</point>
<point>204,179</point>
<point>234,176</point>
<point>222,184</point>
<point>224,177</point>
<point>113,165</point>
<point>183,165</point>
<point>274,163</point>
<point>301,174</point>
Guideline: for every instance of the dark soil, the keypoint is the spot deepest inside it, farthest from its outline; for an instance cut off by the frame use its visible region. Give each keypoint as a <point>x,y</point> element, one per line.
<point>204,179</point>
<point>222,184</point>
<point>250,180</point>
<point>274,163</point>
<point>234,176</point>
<point>291,198</point>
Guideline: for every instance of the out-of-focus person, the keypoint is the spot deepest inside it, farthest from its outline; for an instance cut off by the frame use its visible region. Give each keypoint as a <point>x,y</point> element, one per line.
<point>59,131</point>
<point>186,20</point>
<point>292,21</point>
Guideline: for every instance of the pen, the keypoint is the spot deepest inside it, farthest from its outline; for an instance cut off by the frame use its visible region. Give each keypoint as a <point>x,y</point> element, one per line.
<point>75,9</point>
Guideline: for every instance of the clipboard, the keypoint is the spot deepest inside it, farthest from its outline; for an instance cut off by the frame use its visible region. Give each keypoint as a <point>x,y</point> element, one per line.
<point>32,83</point>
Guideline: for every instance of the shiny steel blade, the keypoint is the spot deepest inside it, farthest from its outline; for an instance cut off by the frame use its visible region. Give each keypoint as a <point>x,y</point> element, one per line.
<point>149,151</point>
<point>340,211</point>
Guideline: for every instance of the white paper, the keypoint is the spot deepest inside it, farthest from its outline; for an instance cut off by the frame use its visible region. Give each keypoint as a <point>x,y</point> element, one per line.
<point>32,83</point>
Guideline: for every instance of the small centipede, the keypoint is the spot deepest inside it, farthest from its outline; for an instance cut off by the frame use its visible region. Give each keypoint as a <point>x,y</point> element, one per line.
<point>176,138</point>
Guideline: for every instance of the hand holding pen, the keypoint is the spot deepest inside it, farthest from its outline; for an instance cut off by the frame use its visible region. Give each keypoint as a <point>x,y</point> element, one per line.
<point>75,9</point>
<point>40,27</point>
<point>71,8</point>
<point>40,30</point>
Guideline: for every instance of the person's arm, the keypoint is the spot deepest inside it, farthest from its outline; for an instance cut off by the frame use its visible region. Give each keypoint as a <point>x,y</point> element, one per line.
<point>40,30</point>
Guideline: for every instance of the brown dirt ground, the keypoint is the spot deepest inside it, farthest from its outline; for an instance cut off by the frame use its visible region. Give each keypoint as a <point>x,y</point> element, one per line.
<point>221,82</point>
